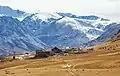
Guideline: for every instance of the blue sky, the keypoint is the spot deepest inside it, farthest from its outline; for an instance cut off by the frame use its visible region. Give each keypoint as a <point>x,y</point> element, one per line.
<point>105,8</point>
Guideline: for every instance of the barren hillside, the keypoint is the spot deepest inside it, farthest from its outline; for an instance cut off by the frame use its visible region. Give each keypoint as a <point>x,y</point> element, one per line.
<point>104,61</point>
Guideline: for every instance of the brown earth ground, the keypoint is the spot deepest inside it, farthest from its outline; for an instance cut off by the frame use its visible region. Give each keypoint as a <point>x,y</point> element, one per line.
<point>104,61</point>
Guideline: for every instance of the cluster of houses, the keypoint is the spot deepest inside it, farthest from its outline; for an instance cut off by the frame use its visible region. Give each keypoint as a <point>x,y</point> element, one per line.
<point>44,54</point>
<point>2,59</point>
<point>16,57</point>
<point>61,52</point>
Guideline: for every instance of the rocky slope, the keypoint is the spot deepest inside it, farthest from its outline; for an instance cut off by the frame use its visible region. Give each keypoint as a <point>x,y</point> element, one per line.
<point>44,30</point>
<point>7,11</point>
<point>111,31</point>
<point>57,29</point>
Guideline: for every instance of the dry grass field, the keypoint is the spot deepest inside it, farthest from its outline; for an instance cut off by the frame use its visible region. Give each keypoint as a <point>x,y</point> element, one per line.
<point>104,61</point>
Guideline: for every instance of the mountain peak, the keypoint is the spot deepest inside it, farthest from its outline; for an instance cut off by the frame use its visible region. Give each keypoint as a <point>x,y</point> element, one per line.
<point>7,11</point>
<point>44,16</point>
<point>89,17</point>
<point>46,29</point>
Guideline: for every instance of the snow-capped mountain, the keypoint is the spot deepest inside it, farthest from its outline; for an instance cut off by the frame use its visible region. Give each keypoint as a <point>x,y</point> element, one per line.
<point>56,29</point>
<point>42,30</point>
<point>111,31</point>
<point>12,35</point>
<point>7,11</point>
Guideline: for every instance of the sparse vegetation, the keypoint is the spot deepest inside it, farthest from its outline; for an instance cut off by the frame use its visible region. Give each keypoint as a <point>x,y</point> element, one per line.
<point>104,60</point>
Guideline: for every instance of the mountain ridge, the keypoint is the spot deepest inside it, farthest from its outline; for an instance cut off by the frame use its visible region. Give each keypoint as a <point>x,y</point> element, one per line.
<point>44,30</point>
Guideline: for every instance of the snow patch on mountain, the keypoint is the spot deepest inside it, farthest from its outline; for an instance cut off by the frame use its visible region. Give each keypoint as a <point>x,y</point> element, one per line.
<point>7,11</point>
<point>92,28</point>
<point>44,16</point>
<point>43,29</point>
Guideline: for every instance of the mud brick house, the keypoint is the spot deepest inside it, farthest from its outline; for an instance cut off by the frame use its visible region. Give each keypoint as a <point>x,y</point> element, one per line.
<point>2,59</point>
<point>42,54</point>
<point>56,50</point>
